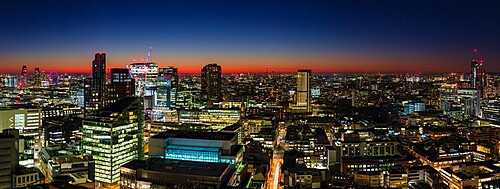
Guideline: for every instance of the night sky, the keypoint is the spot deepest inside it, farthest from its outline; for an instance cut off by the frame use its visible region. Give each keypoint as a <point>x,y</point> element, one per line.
<point>244,36</point>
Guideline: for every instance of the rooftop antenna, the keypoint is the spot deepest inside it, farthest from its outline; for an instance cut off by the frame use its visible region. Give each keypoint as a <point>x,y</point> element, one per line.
<point>475,54</point>
<point>149,54</point>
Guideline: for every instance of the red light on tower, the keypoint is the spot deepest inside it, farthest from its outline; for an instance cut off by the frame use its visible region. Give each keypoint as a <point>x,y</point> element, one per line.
<point>475,50</point>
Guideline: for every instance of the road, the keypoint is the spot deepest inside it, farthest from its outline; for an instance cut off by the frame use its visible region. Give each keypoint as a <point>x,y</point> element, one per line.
<point>274,173</point>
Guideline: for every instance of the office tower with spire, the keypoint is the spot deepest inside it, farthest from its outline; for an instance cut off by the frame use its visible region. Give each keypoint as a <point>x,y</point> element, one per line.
<point>476,71</point>
<point>476,81</point>
<point>303,95</point>
<point>211,80</point>
<point>94,87</point>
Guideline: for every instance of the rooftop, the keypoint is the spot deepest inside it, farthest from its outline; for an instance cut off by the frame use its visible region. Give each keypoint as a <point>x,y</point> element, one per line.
<point>227,136</point>
<point>180,167</point>
<point>118,106</point>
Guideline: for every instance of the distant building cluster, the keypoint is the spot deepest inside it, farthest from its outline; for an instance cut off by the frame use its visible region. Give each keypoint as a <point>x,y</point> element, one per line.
<point>148,126</point>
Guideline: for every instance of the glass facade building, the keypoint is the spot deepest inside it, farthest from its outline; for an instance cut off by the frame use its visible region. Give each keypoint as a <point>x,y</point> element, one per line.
<point>193,153</point>
<point>166,87</point>
<point>114,135</point>
<point>411,107</point>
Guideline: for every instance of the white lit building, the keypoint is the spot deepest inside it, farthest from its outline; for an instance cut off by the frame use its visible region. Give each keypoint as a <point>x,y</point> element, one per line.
<point>145,75</point>
<point>28,120</point>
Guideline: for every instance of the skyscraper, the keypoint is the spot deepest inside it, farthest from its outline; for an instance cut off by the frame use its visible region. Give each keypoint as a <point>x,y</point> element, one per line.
<point>114,135</point>
<point>94,87</point>
<point>38,80</point>
<point>211,80</point>
<point>476,79</point>
<point>24,77</point>
<point>166,93</point>
<point>303,94</point>
<point>99,68</point>
<point>145,75</point>
<point>122,85</point>
<point>476,71</point>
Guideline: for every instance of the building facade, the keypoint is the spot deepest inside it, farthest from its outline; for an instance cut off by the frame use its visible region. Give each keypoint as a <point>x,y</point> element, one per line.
<point>145,75</point>
<point>303,95</point>
<point>94,87</point>
<point>215,147</point>
<point>211,81</point>
<point>122,85</point>
<point>166,92</point>
<point>114,136</point>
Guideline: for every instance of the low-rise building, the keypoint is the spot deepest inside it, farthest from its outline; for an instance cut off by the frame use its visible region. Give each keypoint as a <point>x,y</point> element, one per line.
<point>162,174</point>
<point>218,147</point>
<point>60,161</point>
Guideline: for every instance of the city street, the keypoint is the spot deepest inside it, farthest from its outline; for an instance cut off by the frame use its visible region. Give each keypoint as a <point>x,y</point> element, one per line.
<point>273,178</point>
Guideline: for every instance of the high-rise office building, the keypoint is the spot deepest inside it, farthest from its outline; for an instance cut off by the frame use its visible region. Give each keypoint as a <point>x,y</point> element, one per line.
<point>37,79</point>
<point>211,80</point>
<point>166,92</point>
<point>145,75</point>
<point>94,87</point>
<point>460,103</point>
<point>476,71</point>
<point>303,94</point>
<point>24,77</point>
<point>477,82</point>
<point>122,85</point>
<point>114,135</point>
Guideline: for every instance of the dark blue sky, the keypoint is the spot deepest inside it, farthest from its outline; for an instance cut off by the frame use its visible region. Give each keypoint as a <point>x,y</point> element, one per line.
<point>323,35</point>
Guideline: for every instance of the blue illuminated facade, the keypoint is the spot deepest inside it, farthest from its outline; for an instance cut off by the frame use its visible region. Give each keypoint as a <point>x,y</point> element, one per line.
<point>409,108</point>
<point>197,146</point>
<point>193,153</point>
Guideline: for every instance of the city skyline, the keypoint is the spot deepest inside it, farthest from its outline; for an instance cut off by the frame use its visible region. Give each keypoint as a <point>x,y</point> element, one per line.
<point>325,36</point>
<point>249,94</point>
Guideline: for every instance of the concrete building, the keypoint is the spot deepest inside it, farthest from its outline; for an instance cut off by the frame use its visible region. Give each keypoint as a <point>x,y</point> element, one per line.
<point>28,121</point>
<point>9,160</point>
<point>58,161</point>
<point>216,118</point>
